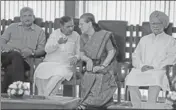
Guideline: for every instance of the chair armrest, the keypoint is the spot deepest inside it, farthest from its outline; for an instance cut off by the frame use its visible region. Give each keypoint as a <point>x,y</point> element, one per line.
<point>171,75</point>
<point>170,70</point>
<point>80,67</point>
<point>123,70</point>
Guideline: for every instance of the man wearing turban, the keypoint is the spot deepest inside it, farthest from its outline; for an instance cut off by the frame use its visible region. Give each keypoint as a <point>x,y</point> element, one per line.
<point>149,60</point>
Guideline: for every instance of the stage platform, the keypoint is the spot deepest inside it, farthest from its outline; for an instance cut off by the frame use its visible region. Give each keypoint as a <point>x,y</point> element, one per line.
<point>39,102</point>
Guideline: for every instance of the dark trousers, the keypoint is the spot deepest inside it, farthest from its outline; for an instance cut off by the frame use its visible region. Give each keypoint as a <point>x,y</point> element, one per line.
<point>14,66</point>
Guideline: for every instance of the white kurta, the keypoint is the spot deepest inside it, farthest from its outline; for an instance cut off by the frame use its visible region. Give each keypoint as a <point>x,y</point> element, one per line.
<point>57,59</point>
<point>157,51</point>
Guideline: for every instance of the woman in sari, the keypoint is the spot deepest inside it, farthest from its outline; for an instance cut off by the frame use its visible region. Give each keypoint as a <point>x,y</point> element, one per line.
<point>98,50</point>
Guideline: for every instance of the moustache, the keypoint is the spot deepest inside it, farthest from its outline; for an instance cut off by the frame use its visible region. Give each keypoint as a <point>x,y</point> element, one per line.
<point>27,20</point>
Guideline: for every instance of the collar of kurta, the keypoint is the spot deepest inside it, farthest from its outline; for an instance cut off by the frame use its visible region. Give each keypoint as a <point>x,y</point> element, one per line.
<point>161,34</point>
<point>31,27</point>
<point>63,35</point>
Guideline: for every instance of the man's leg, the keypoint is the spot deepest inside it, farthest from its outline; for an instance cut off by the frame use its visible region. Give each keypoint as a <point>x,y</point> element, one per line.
<point>15,70</point>
<point>135,96</point>
<point>6,81</point>
<point>153,93</point>
<point>17,66</point>
<point>41,85</point>
<point>56,90</point>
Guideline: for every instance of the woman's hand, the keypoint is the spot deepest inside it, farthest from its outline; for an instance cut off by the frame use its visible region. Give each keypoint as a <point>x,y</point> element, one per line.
<point>97,68</point>
<point>73,61</point>
<point>89,65</point>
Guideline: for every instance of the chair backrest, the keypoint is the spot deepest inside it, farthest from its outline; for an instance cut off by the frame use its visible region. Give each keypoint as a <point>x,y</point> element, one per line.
<point>147,30</point>
<point>76,23</point>
<point>118,28</point>
<point>37,21</point>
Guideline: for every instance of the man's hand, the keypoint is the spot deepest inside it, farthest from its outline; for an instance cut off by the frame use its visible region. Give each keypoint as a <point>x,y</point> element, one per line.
<point>17,50</point>
<point>62,40</point>
<point>146,68</point>
<point>26,52</point>
<point>97,68</point>
<point>89,65</point>
<point>6,48</point>
<point>73,61</point>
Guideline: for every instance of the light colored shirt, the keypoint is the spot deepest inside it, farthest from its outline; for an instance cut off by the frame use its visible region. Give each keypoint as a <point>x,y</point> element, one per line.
<point>62,52</point>
<point>157,51</point>
<point>19,37</point>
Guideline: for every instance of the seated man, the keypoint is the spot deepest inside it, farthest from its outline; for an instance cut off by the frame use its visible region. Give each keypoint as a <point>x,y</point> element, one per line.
<point>150,58</point>
<point>62,50</point>
<point>19,43</point>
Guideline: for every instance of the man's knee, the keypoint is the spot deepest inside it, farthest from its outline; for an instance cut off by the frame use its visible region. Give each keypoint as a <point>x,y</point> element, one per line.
<point>16,57</point>
<point>7,57</point>
<point>154,88</point>
<point>133,87</point>
<point>15,54</point>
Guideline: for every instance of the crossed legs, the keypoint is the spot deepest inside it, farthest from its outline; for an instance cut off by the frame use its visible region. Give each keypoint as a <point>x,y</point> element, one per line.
<point>14,68</point>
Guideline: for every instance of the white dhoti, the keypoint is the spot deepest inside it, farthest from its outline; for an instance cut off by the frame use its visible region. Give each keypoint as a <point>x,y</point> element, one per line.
<point>148,78</point>
<point>48,77</point>
<point>57,63</point>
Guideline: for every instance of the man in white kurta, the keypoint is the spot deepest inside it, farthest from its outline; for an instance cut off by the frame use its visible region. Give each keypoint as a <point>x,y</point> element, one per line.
<point>62,50</point>
<point>149,59</point>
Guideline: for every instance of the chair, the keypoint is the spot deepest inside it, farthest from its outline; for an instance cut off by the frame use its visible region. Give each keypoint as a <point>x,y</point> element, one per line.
<point>145,29</point>
<point>69,88</point>
<point>118,29</point>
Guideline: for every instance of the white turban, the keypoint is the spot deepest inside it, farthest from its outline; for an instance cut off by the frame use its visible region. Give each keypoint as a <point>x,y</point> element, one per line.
<point>161,16</point>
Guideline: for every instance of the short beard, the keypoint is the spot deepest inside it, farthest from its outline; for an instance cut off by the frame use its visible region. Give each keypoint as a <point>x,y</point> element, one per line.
<point>27,25</point>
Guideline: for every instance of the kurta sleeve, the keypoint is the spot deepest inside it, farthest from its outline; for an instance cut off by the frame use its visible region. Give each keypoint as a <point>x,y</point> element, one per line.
<point>137,55</point>
<point>52,43</point>
<point>170,58</point>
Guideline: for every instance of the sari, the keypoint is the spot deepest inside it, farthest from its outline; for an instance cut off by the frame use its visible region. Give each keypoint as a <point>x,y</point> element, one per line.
<point>97,89</point>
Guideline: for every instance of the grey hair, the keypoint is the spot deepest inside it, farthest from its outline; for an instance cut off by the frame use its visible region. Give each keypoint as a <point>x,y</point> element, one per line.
<point>25,9</point>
